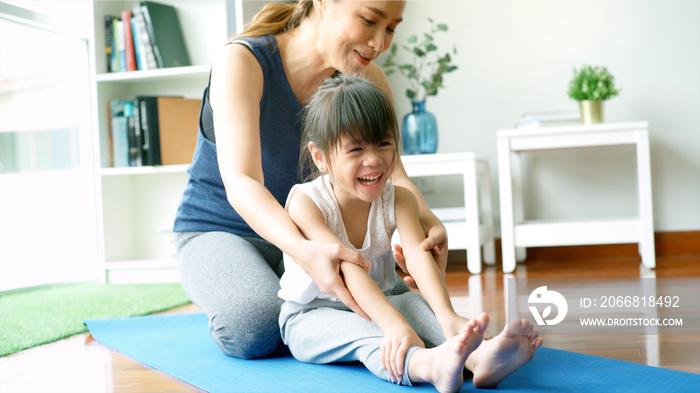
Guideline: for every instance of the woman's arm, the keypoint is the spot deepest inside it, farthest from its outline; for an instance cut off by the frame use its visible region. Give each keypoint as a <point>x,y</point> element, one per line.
<point>235,92</point>
<point>434,232</point>
<point>419,262</point>
<point>398,334</point>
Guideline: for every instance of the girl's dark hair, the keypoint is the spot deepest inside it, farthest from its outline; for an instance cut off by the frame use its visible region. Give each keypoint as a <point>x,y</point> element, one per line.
<point>276,18</point>
<point>350,106</point>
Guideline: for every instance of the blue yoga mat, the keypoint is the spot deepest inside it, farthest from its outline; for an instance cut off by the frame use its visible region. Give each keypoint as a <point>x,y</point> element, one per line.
<point>180,345</point>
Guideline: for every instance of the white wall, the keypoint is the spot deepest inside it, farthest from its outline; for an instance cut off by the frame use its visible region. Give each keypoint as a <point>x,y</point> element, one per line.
<point>517,56</point>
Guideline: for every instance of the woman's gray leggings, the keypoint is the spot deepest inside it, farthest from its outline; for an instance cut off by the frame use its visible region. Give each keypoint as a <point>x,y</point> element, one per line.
<point>234,280</point>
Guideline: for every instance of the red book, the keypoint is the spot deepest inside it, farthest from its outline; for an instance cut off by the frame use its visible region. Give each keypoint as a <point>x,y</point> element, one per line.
<point>131,64</point>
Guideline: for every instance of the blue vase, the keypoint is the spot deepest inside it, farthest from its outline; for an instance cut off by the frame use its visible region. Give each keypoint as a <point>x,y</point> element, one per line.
<point>419,132</point>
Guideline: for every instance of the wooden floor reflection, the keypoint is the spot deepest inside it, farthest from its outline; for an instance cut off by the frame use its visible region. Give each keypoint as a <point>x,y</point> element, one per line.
<point>80,364</point>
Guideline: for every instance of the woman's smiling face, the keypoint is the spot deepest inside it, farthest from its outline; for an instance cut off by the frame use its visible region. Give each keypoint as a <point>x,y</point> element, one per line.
<point>354,33</point>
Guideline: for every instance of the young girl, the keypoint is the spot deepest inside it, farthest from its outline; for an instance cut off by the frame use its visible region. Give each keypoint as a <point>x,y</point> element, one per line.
<point>351,136</point>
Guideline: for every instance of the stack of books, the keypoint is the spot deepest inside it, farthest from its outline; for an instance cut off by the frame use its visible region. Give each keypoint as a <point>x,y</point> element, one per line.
<point>153,130</point>
<point>147,37</point>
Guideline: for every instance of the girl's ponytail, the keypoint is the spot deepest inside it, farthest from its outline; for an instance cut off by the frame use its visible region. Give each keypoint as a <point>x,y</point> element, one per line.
<point>276,18</point>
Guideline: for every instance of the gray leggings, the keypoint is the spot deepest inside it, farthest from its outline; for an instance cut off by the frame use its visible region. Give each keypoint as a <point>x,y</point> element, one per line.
<point>234,280</point>
<point>325,331</point>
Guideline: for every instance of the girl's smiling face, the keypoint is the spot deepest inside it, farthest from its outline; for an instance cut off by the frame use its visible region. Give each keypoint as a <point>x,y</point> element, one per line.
<point>359,170</point>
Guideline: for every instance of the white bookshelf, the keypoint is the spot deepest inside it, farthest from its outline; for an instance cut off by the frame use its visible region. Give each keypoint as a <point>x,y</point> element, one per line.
<point>137,205</point>
<point>176,75</point>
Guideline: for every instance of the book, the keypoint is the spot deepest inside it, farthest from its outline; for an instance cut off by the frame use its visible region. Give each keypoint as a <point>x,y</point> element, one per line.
<point>119,45</point>
<point>178,119</point>
<point>145,49</point>
<point>109,41</point>
<point>167,40</point>
<point>148,122</point>
<point>120,133</point>
<point>137,49</point>
<point>168,127</point>
<point>129,52</point>
<point>134,134</point>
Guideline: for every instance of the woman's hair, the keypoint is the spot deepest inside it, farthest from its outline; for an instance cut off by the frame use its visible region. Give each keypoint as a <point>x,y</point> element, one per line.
<point>345,106</point>
<point>276,18</point>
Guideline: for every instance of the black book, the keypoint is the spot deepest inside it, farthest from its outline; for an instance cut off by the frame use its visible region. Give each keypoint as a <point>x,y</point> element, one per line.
<point>109,42</point>
<point>163,27</point>
<point>150,133</point>
<point>135,140</point>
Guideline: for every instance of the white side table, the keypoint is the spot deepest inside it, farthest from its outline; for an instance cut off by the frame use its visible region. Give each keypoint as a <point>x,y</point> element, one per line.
<point>470,227</point>
<point>517,233</point>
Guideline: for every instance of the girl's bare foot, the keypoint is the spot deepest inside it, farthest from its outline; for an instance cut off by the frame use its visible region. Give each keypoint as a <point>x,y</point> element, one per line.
<point>498,357</point>
<point>442,366</point>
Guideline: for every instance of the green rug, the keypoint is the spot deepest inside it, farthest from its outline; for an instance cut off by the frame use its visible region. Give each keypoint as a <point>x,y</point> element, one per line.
<point>43,315</point>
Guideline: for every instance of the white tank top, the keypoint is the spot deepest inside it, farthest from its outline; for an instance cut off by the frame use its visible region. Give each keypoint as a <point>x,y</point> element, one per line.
<point>297,286</point>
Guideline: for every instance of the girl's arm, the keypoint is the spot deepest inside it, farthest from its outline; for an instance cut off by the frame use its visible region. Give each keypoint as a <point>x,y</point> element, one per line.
<point>235,91</point>
<point>434,232</point>
<point>419,262</point>
<point>398,334</point>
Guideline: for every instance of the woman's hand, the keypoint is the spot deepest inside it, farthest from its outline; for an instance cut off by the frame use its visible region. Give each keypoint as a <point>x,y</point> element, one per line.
<point>436,243</point>
<point>397,340</point>
<point>324,268</point>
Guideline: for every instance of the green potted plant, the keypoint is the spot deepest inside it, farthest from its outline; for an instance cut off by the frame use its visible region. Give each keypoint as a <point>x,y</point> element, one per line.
<point>424,72</point>
<point>591,86</point>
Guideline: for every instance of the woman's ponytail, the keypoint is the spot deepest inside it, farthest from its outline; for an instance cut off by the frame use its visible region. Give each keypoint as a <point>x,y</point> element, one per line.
<point>276,18</point>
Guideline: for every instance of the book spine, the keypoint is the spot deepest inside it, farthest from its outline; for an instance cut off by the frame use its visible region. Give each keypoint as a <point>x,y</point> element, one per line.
<point>110,135</point>
<point>138,140</point>
<point>148,59</point>
<point>121,50</point>
<point>129,52</point>
<point>109,41</point>
<point>120,134</point>
<point>134,146</point>
<point>115,55</point>
<point>137,48</point>
<point>151,35</point>
<point>148,113</point>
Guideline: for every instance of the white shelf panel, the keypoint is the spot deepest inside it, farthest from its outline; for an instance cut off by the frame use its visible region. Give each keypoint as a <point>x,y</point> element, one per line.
<point>174,73</point>
<point>556,233</point>
<point>165,263</point>
<point>145,170</point>
<point>457,234</point>
<point>146,271</point>
<point>572,129</point>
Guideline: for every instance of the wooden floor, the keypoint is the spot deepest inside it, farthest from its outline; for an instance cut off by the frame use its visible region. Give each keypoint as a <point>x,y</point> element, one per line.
<point>80,364</point>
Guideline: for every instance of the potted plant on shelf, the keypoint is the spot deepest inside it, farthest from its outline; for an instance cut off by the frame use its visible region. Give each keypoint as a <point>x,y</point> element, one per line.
<point>424,73</point>
<point>590,87</point>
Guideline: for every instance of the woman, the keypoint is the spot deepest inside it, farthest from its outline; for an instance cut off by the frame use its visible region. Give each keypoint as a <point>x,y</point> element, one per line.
<point>231,223</point>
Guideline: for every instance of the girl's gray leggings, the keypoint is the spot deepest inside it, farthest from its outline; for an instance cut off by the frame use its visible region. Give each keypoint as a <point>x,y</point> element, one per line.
<point>326,331</point>
<point>234,280</point>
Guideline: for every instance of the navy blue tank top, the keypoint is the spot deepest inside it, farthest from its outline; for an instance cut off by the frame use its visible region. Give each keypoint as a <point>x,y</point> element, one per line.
<point>204,206</point>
